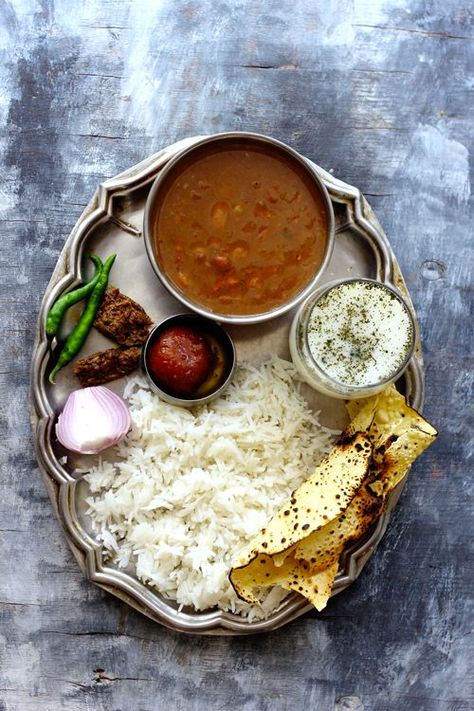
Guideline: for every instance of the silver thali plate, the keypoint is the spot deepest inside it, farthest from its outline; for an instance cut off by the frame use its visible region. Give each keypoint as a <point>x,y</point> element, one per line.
<point>112,222</point>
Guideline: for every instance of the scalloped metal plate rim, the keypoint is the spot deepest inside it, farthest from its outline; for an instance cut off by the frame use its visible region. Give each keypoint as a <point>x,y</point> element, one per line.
<point>61,484</point>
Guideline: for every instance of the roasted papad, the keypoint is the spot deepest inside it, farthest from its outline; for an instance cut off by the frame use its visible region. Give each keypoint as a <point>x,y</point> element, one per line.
<point>301,546</point>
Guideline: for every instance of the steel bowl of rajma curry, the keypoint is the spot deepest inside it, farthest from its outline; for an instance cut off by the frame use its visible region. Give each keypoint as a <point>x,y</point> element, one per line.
<point>239,227</point>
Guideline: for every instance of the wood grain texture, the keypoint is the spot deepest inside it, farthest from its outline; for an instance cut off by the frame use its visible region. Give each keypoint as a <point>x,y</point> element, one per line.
<point>378,91</point>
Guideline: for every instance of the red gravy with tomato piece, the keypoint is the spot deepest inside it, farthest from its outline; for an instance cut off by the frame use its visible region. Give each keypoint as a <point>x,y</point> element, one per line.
<point>240,229</point>
<point>180,360</point>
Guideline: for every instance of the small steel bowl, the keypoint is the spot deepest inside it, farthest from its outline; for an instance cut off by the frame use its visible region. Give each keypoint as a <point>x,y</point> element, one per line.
<point>221,346</point>
<point>233,138</point>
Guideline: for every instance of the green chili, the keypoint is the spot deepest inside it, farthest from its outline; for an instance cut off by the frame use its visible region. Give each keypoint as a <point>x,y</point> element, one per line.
<point>59,308</point>
<point>78,335</point>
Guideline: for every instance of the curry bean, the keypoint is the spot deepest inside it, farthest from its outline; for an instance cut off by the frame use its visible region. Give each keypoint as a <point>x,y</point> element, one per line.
<point>252,194</point>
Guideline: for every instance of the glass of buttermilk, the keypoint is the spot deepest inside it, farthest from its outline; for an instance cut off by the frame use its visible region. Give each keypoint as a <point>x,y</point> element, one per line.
<point>351,338</point>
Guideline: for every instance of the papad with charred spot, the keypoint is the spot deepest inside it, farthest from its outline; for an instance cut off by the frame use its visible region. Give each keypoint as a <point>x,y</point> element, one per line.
<point>301,546</point>
<point>322,498</point>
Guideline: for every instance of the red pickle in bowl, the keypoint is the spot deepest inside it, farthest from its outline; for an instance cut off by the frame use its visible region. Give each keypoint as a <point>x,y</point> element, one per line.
<point>189,359</point>
<point>180,360</point>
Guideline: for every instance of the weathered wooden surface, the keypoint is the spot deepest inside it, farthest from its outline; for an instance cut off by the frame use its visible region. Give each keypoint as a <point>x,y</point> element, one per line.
<point>382,94</point>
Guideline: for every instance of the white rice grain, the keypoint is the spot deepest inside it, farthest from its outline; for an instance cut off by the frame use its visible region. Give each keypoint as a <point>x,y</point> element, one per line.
<point>189,488</point>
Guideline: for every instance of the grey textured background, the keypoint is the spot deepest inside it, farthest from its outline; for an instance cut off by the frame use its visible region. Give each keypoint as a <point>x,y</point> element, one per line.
<point>382,94</point>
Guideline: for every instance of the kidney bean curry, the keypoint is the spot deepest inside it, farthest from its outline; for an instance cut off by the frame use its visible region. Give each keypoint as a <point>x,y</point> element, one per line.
<point>240,229</point>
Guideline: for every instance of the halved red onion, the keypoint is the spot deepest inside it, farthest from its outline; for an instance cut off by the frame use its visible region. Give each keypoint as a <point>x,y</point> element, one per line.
<point>93,419</point>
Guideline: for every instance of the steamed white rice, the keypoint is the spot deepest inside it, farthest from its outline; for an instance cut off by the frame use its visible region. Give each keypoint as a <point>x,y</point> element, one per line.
<point>186,490</point>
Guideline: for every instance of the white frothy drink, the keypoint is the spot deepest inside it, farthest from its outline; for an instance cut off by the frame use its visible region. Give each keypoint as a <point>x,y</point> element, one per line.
<point>360,333</point>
